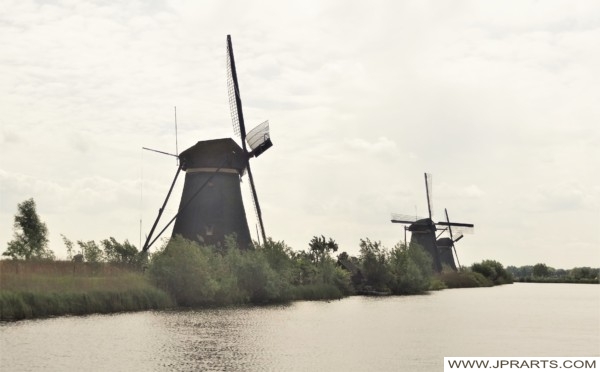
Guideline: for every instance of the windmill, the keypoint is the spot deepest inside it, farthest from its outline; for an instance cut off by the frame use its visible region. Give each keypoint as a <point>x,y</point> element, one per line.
<point>423,231</point>
<point>211,205</point>
<point>446,246</point>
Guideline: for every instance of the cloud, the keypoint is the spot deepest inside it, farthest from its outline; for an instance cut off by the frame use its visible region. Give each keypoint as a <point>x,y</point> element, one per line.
<point>497,101</point>
<point>382,145</point>
<point>558,197</point>
<point>9,137</point>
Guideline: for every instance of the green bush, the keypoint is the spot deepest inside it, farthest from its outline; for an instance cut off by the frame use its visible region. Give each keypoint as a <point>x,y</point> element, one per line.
<point>410,269</point>
<point>183,269</point>
<point>373,262</point>
<point>493,271</point>
<point>197,275</point>
<point>464,279</point>
<point>257,280</point>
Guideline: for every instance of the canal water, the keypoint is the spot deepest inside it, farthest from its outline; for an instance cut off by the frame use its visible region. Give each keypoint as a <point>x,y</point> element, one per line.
<point>412,333</point>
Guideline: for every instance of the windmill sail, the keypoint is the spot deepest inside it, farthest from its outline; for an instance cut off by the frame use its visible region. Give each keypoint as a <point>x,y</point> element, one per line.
<point>235,100</point>
<point>211,206</point>
<point>404,218</point>
<point>237,117</point>
<point>259,139</point>
<point>429,191</point>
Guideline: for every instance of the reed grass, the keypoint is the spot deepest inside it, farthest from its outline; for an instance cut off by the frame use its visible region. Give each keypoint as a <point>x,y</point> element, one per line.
<point>30,289</point>
<point>463,279</point>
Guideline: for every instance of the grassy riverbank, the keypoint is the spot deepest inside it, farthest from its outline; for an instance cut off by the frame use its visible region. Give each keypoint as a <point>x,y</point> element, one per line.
<point>34,289</point>
<point>184,273</point>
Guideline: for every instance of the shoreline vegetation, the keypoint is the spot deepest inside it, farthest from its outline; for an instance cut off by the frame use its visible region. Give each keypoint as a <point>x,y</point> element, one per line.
<point>39,289</point>
<point>110,276</point>
<point>186,274</point>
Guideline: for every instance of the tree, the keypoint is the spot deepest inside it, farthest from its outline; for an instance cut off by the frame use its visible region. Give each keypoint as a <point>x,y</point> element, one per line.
<point>69,245</point>
<point>373,260</point>
<point>30,235</point>
<point>540,270</point>
<point>320,247</point>
<point>410,269</point>
<point>119,253</point>
<point>494,271</point>
<point>91,251</point>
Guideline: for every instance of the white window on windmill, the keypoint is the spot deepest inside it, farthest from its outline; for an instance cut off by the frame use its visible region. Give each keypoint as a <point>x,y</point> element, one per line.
<point>209,229</point>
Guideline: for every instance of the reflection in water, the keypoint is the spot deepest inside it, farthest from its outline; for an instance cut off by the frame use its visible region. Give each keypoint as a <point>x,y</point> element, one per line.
<point>395,333</point>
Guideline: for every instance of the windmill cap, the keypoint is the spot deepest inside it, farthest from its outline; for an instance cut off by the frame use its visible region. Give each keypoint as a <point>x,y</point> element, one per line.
<point>222,153</point>
<point>424,224</point>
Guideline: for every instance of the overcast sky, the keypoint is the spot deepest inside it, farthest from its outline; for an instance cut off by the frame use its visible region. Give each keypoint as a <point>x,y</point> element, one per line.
<point>497,99</point>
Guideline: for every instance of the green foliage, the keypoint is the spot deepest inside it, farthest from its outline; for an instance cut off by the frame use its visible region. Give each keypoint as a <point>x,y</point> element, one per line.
<point>198,275</point>
<point>109,250</point>
<point>31,289</point>
<point>257,280</point>
<point>24,305</point>
<point>402,270</point>
<point>119,252</point>
<point>520,272</point>
<point>30,235</point>
<point>69,245</point>
<point>304,271</point>
<point>90,250</point>
<point>541,270</point>
<point>373,260</point>
<point>316,292</point>
<point>493,271</point>
<point>278,254</point>
<point>541,273</point>
<point>410,269</point>
<point>584,273</point>
<point>320,247</point>
<point>464,279</point>
<point>183,269</point>
<point>437,284</point>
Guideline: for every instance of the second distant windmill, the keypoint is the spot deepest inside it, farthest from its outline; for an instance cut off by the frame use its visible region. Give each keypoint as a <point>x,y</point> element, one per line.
<point>423,232</point>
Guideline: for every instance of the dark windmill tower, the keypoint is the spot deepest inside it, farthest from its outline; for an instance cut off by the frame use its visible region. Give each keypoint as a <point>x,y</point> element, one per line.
<point>423,231</point>
<point>218,210</point>
<point>446,246</point>
<point>211,205</point>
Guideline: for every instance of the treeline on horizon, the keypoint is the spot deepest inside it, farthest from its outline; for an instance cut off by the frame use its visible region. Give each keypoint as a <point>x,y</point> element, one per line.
<point>542,273</point>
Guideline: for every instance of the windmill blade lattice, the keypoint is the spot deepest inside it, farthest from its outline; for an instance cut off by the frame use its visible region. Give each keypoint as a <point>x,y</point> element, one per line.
<point>404,218</point>
<point>237,117</point>
<point>452,237</point>
<point>429,191</point>
<point>233,90</point>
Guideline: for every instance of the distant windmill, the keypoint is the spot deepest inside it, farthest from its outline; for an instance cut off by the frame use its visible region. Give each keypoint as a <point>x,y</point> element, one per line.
<point>447,245</point>
<point>211,205</point>
<point>423,232</point>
